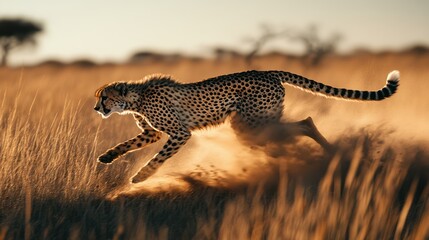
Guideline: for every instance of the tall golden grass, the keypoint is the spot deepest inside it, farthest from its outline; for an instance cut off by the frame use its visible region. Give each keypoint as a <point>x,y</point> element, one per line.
<point>373,187</point>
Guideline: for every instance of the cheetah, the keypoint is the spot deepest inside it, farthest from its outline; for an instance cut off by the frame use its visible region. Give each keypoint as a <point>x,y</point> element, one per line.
<point>252,100</point>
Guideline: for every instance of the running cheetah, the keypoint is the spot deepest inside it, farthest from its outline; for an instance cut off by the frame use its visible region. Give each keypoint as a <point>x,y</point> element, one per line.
<point>252,99</point>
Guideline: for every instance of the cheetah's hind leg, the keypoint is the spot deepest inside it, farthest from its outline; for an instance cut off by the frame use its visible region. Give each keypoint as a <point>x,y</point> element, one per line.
<point>307,128</point>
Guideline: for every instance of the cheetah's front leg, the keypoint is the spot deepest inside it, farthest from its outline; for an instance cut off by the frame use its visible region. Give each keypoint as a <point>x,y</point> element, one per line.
<point>145,138</point>
<point>170,148</point>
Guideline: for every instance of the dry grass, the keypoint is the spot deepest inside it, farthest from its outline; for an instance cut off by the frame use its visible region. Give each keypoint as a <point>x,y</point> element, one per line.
<point>373,187</point>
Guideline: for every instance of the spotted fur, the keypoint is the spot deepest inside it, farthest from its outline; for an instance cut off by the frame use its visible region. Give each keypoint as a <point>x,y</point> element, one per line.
<point>160,104</point>
<point>388,90</point>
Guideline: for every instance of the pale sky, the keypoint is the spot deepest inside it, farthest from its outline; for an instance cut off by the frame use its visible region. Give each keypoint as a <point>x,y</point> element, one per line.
<point>106,30</point>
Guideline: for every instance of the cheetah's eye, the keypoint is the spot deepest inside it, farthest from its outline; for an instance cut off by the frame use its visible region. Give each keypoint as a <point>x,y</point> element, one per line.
<point>103,98</point>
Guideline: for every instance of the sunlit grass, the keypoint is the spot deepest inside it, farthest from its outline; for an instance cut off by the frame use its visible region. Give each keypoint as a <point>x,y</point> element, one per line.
<point>374,186</point>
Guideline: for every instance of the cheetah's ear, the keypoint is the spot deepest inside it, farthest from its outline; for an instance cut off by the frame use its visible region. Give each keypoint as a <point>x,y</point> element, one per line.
<point>121,88</point>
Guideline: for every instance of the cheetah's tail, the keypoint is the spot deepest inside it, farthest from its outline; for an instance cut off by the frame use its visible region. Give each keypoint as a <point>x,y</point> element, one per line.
<point>303,83</point>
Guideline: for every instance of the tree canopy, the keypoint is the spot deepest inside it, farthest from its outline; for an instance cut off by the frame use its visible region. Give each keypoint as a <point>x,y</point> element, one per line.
<point>16,32</point>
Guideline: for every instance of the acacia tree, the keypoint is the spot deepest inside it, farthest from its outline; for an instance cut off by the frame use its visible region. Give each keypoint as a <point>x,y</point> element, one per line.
<point>267,35</point>
<point>316,48</point>
<point>15,33</point>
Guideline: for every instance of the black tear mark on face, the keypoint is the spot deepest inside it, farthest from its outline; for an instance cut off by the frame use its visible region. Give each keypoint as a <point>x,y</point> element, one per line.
<point>105,109</point>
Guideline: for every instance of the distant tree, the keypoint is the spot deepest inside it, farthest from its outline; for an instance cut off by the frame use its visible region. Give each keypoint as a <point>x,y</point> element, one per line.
<point>151,56</point>
<point>83,63</point>
<point>222,53</point>
<point>14,33</point>
<point>146,56</point>
<point>316,48</point>
<point>417,49</point>
<point>267,35</point>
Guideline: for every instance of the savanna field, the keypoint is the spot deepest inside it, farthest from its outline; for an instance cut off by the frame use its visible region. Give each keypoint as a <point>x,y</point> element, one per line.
<point>372,186</point>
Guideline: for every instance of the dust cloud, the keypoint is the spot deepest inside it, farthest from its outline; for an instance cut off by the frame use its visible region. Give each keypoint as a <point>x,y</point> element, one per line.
<point>219,158</point>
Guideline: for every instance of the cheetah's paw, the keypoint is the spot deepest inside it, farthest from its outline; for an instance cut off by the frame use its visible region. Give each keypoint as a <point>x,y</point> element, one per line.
<point>107,157</point>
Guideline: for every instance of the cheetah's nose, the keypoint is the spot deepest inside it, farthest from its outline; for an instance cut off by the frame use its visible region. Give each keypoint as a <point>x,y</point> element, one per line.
<point>96,108</point>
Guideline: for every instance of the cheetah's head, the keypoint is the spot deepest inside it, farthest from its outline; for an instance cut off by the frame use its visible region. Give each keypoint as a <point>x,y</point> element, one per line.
<point>111,98</point>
